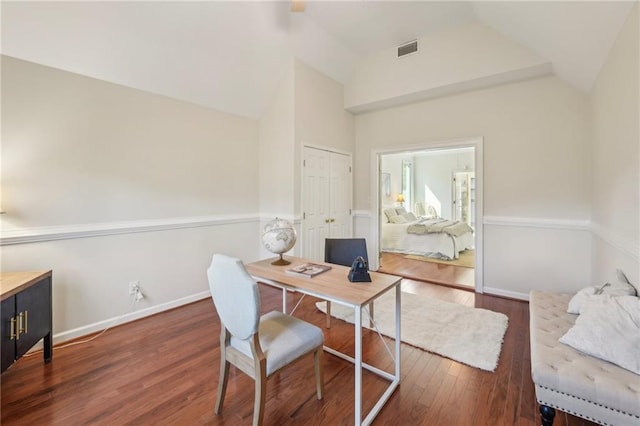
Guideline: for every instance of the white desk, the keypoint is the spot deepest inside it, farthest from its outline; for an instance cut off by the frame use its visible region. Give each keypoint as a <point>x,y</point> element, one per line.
<point>334,286</point>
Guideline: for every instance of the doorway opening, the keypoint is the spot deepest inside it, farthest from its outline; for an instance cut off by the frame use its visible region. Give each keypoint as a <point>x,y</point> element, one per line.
<point>431,187</point>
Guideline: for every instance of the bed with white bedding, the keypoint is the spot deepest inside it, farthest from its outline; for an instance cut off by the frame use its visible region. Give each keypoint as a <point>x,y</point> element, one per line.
<point>395,238</point>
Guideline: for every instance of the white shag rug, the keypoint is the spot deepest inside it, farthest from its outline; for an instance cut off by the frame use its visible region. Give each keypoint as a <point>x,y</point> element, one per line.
<point>471,336</point>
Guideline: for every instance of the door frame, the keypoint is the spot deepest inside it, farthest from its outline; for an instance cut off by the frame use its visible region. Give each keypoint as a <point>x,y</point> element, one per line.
<point>474,142</point>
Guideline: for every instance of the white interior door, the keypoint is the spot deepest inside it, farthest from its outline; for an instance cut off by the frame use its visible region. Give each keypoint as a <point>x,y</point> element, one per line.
<point>326,199</point>
<point>340,196</point>
<point>315,202</point>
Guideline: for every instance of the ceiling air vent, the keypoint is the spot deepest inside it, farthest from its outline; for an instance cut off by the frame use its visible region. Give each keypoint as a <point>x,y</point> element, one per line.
<point>408,48</point>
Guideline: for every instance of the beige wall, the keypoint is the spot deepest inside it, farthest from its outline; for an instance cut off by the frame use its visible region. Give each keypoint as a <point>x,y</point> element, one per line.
<point>80,150</point>
<point>320,115</point>
<point>81,157</point>
<point>448,61</point>
<point>536,155</point>
<point>307,109</point>
<point>320,119</point>
<point>277,152</point>
<point>535,144</point>
<point>615,181</point>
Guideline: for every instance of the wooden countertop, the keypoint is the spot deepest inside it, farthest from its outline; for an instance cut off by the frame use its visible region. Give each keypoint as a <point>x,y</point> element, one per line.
<point>14,282</point>
<point>332,284</point>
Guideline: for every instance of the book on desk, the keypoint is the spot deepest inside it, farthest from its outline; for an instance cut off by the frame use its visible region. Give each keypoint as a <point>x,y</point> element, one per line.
<point>308,270</point>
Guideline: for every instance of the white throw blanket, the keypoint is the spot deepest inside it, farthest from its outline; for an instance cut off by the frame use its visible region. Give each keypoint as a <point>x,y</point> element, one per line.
<point>428,226</point>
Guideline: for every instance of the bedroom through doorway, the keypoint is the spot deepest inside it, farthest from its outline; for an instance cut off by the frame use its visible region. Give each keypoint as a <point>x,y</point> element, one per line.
<point>429,208</point>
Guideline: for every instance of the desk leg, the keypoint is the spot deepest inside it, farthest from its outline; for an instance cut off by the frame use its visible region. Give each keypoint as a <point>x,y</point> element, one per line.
<point>284,300</point>
<point>358,365</point>
<point>398,328</point>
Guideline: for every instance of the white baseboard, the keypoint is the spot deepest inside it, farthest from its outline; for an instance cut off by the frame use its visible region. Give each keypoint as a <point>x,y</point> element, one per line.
<point>127,317</point>
<point>506,293</point>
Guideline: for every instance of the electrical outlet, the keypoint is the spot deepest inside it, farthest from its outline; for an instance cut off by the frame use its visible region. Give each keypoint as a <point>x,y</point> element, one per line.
<point>134,287</point>
<point>139,295</point>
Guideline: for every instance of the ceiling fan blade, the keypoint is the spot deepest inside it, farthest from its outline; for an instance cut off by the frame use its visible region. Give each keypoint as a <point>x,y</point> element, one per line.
<point>298,5</point>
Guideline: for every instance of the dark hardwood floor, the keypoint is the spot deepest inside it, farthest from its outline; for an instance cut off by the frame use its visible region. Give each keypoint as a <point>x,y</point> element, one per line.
<point>163,370</point>
<point>453,276</point>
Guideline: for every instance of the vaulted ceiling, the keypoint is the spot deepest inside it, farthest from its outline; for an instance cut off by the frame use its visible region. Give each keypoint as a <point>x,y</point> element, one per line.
<point>231,56</point>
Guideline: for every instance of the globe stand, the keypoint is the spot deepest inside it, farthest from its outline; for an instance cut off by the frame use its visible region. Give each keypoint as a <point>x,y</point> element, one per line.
<point>281,261</point>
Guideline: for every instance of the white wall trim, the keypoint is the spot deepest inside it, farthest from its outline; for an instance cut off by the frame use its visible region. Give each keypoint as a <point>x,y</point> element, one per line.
<point>42,234</point>
<point>533,222</point>
<point>269,217</point>
<point>65,232</point>
<point>127,317</point>
<point>506,293</point>
<point>617,241</point>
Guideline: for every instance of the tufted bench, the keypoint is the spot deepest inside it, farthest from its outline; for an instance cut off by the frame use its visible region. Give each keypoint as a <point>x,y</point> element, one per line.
<point>571,381</point>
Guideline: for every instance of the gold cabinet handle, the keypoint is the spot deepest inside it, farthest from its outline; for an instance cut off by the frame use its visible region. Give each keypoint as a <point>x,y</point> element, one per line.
<point>13,329</point>
<point>20,322</point>
<point>327,220</point>
<point>333,219</point>
<point>23,319</point>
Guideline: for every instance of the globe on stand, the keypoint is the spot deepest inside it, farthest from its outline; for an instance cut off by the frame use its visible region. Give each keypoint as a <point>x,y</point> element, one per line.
<point>279,236</point>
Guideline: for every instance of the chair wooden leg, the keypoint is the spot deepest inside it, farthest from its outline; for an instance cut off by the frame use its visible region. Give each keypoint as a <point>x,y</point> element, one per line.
<point>222,382</point>
<point>328,314</point>
<point>261,395</point>
<point>224,368</point>
<point>260,377</point>
<point>317,357</point>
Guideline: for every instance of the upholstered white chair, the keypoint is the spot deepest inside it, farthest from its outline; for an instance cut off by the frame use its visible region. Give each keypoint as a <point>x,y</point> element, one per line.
<point>257,345</point>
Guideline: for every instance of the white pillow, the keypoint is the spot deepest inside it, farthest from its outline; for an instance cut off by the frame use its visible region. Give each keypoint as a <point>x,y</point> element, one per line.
<point>401,210</point>
<point>608,328</point>
<point>594,291</point>
<point>397,219</point>
<point>389,213</point>
<point>410,217</point>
